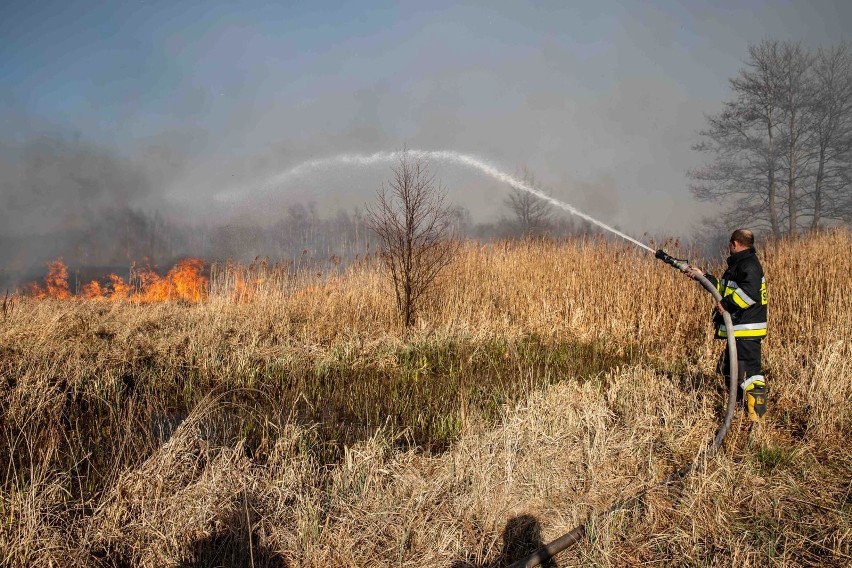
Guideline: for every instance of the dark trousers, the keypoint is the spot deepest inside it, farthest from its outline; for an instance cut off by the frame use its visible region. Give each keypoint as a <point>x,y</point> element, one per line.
<point>748,362</point>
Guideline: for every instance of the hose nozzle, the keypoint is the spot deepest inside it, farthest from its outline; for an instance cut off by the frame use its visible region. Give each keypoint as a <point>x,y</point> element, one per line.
<point>679,263</point>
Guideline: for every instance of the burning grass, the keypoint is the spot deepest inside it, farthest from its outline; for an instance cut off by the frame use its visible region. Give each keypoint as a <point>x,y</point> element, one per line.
<point>184,282</point>
<point>285,420</point>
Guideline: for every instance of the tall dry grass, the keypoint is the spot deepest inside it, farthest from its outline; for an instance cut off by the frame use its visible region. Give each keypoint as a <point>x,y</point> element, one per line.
<point>525,463</point>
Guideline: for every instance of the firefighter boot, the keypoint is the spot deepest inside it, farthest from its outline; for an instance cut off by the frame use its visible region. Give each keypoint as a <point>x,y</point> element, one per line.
<point>754,390</point>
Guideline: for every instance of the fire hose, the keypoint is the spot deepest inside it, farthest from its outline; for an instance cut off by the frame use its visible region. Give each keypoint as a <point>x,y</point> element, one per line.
<point>569,539</point>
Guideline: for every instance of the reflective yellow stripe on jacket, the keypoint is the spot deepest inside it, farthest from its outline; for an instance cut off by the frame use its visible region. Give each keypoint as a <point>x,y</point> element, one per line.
<point>737,294</point>
<point>744,330</point>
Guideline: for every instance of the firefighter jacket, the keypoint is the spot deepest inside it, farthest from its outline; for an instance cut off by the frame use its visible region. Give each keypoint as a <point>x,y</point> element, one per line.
<point>743,291</point>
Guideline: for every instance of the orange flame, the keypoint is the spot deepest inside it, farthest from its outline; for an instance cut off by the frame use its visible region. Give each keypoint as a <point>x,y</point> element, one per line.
<point>92,290</point>
<point>120,290</point>
<point>55,283</point>
<point>150,287</point>
<point>35,291</point>
<point>184,281</point>
<point>187,279</point>
<point>57,280</point>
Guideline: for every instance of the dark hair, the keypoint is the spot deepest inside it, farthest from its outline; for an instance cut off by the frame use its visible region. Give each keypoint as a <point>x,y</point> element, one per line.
<point>743,236</point>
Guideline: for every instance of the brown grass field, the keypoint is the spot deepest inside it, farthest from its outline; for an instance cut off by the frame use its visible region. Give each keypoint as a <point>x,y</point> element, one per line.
<point>287,420</point>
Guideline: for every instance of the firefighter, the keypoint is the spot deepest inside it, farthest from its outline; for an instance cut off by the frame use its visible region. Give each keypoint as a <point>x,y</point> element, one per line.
<point>743,291</point>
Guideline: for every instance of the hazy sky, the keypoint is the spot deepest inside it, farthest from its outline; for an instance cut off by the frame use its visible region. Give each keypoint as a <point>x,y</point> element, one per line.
<point>601,100</point>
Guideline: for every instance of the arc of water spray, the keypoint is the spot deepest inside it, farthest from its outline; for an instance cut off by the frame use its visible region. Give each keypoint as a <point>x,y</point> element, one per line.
<point>440,155</point>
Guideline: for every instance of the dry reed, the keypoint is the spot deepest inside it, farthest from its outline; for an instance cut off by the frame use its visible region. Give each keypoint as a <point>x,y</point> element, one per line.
<point>778,494</point>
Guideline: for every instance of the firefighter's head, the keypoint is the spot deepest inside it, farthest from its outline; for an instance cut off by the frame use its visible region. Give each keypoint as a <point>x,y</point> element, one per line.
<point>741,239</point>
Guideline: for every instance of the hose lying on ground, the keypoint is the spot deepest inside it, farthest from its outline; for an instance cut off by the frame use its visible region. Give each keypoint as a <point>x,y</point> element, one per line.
<point>569,539</point>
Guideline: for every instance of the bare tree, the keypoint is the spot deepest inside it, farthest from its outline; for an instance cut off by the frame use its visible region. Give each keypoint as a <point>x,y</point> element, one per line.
<point>413,226</point>
<point>793,69</point>
<point>781,150</point>
<point>742,141</point>
<point>831,196</point>
<point>532,215</point>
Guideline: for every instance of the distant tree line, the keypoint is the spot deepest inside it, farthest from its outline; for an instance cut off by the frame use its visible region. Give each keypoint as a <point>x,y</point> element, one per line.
<point>780,152</point>
<point>114,240</point>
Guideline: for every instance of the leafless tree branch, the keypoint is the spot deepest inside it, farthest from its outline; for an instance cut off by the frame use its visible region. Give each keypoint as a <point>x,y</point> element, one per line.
<point>413,225</point>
